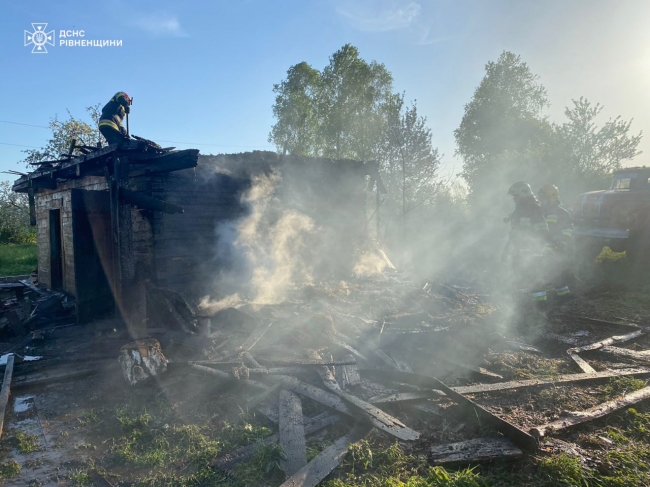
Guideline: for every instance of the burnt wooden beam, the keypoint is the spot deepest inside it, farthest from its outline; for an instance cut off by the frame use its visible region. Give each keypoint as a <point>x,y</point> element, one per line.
<point>562,379</point>
<point>32,207</point>
<point>608,341</point>
<point>227,377</point>
<point>243,454</point>
<point>473,451</point>
<point>143,201</point>
<point>404,397</point>
<point>173,161</point>
<point>4,392</point>
<point>582,363</point>
<point>379,418</point>
<point>292,433</point>
<point>518,436</point>
<point>326,461</point>
<point>596,412</point>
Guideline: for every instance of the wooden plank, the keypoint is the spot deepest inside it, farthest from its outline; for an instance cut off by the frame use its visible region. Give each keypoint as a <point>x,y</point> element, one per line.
<point>312,392</point>
<point>243,454</point>
<point>326,461</point>
<point>404,397</point>
<point>479,372</point>
<point>4,392</point>
<point>608,341</point>
<point>518,436</point>
<point>351,373</point>
<point>474,451</point>
<point>379,418</point>
<point>292,433</point>
<point>639,356</point>
<point>429,408</point>
<point>223,376</point>
<point>599,411</point>
<point>562,379</point>
<point>172,161</point>
<point>584,366</point>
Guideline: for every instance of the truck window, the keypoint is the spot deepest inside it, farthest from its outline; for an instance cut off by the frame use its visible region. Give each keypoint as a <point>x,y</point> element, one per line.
<point>623,181</point>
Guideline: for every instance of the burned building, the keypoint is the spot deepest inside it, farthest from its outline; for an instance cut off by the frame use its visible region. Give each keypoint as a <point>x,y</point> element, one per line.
<point>115,220</point>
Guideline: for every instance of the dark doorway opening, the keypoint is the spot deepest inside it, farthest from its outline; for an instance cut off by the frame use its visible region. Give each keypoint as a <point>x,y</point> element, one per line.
<point>94,260</point>
<point>56,250</point>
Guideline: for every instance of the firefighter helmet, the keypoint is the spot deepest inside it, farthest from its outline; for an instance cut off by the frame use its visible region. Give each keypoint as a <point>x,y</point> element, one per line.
<point>550,193</point>
<point>123,95</point>
<point>521,189</point>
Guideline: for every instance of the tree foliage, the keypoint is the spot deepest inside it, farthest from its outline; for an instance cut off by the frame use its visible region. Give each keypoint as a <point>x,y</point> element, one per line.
<point>14,216</point>
<point>349,111</point>
<point>591,152</point>
<point>63,132</point>
<point>504,137</point>
<point>409,160</point>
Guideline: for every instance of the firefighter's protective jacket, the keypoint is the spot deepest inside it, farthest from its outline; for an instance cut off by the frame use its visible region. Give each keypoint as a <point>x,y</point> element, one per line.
<point>114,112</point>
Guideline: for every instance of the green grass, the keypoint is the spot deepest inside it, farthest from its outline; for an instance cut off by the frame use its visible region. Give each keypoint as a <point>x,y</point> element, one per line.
<point>27,443</point>
<point>17,259</point>
<point>10,469</point>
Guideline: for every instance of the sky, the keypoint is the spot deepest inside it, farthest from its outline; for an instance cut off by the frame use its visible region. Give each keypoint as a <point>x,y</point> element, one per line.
<point>201,73</point>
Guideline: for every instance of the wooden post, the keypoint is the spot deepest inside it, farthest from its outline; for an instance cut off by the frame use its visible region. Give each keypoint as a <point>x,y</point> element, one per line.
<point>32,207</point>
<point>4,393</point>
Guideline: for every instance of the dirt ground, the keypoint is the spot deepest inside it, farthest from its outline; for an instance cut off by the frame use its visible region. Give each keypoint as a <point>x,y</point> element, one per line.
<point>99,430</point>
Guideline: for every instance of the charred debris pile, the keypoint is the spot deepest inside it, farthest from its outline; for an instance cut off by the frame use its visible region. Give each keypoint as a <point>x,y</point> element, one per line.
<point>384,352</point>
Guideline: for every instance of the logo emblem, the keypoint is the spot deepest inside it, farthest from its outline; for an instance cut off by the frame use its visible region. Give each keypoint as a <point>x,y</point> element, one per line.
<point>39,38</point>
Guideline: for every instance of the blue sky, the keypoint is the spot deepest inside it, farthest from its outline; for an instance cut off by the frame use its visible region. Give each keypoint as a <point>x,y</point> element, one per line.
<point>202,71</point>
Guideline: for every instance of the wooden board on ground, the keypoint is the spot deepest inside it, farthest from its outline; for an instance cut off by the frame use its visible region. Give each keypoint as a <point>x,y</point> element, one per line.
<point>312,425</point>
<point>292,433</point>
<point>562,379</point>
<point>518,436</point>
<point>326,461</point>
<point>582,363</point>
<point>480,373</point>
<point>379,418</point>
<point>637,356</point>
<point>473,451</point>
<point>4,392</point>
<point>579,417</point>
<point>404,397</point>
<point>608,341</point>
<point>352,406</point>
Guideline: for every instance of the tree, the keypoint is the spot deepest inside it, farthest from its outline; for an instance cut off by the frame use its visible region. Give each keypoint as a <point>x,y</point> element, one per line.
<point>337,113</point>
<point>14,216</point>
<point>409,161</point>
<point>63,132</point>
<point>353,95</point>
<point>590,153</point>
<point>503,115</point>
<point>296,111</point>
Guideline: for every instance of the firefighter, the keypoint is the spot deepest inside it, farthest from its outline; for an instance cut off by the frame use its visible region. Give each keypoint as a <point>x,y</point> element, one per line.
<point>110,124</point>
<point>560,239</point>
<point>528,238</point>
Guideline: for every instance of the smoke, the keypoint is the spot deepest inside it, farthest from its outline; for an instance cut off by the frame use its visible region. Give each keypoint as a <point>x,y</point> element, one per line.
<point>268,250</point>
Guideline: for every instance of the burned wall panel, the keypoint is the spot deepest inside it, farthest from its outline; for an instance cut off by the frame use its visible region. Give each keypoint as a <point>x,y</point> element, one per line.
<point>60,198</point>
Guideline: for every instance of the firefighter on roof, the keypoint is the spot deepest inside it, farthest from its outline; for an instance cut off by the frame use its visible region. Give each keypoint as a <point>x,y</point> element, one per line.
<point>528,238</point>
<point>110,123</point>
<point>560,237</point>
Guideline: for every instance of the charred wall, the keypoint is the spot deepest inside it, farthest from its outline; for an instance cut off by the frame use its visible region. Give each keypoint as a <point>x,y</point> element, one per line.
<point>60,199</point>
<point>331,193</point>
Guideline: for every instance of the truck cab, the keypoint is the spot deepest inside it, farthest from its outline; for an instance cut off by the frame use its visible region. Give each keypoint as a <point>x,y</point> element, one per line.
<point>618,217</point>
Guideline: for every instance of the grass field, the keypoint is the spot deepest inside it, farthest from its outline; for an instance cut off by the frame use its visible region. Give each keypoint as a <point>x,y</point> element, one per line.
<point>17,259</point>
